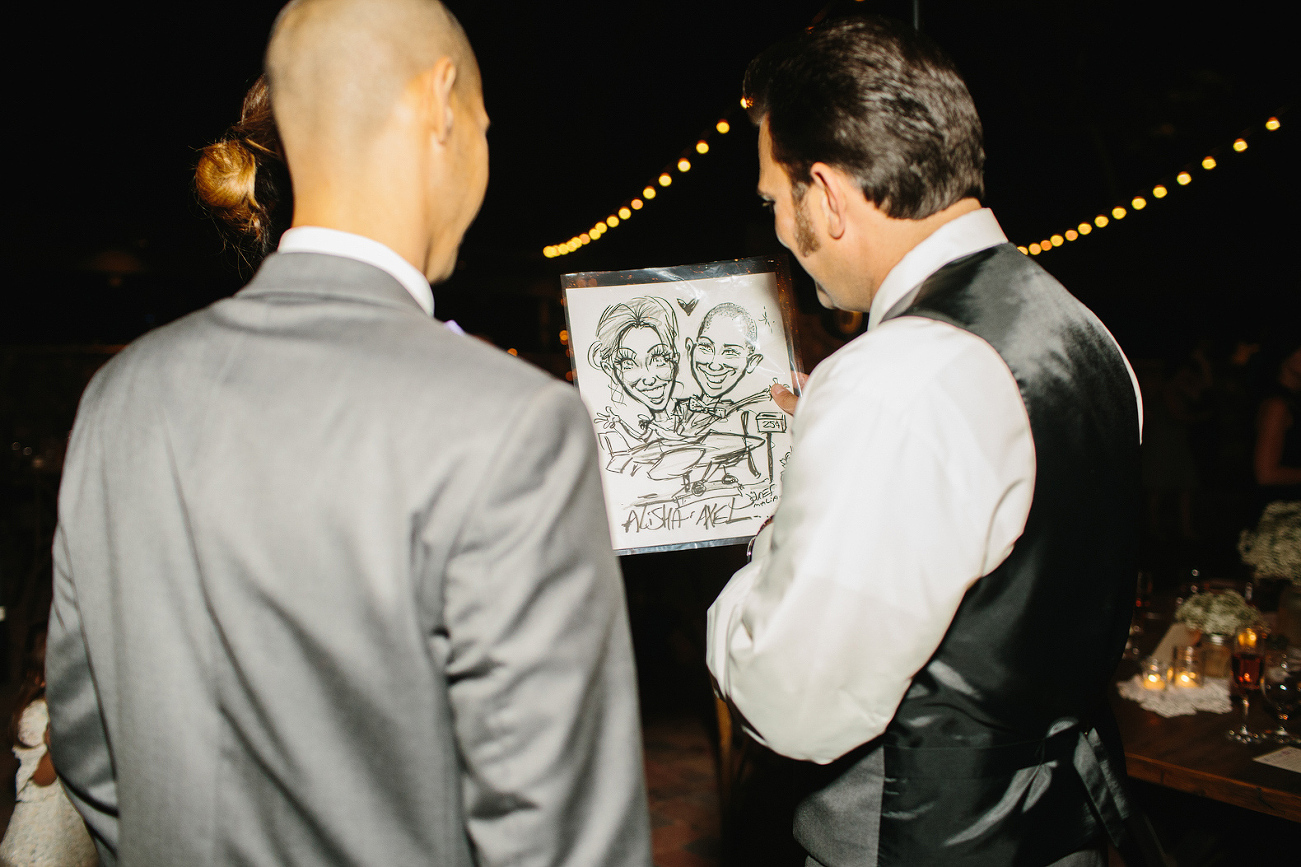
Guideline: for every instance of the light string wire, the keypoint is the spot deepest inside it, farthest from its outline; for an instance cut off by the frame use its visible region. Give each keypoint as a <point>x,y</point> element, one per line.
<point>653,188</point>
<point>664,179</point>
<point>1158,191</point>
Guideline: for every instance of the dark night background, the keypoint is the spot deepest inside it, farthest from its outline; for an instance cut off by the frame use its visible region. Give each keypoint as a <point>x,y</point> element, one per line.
<point>1084,106</point>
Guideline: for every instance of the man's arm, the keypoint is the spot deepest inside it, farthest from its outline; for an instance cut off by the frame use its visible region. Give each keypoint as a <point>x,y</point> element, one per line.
<point>78,741</point>
<point>540,671</point>
<point>911,476</point>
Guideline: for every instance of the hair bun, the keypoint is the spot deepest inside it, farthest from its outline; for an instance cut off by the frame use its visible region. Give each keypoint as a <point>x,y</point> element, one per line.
<point>240,178</point>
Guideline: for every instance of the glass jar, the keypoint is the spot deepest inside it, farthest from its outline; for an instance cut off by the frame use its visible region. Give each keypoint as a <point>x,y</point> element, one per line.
<point>1216,655</point>
<point>1187,671</point>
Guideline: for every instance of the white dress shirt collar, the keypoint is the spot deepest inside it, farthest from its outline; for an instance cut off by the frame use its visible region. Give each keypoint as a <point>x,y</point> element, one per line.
<point>332,242</point>
<point>962,236</point>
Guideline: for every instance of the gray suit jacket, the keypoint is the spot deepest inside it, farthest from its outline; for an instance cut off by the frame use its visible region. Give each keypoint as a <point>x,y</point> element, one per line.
<point>333,585</point>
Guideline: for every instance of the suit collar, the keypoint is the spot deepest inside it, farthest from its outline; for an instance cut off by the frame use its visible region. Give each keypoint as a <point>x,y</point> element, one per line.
<point>333,242</point>
<point>320,276</point>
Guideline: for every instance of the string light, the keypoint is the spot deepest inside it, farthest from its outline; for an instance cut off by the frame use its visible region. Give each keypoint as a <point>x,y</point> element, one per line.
<point>648,192</point>
<point>1139,202</point>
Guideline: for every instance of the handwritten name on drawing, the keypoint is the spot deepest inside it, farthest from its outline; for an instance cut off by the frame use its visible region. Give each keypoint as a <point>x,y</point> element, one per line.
<point>668,516</point>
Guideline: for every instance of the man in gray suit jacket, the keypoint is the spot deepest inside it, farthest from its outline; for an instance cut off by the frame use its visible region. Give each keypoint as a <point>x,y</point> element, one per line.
<point>333,583</point>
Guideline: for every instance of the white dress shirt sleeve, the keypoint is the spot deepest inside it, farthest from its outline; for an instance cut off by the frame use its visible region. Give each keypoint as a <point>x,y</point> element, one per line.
<point>911,476</point>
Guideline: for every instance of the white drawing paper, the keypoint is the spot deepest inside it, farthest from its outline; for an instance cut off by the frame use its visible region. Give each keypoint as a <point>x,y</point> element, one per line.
<point>674,366</point>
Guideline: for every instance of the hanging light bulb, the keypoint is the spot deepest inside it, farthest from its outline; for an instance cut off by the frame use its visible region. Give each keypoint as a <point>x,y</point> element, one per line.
<point>649,192</point>
<point>1208,163</point>
<point>723,127</point>
<point>624,213</point>
<point>1101,221</point>
<point>1035,249</point>
<point>1071,234</point>
<point>665,179</point>
<point>1240,145</point>
<point>702,147</point>
<point>638,204</point>
<point>1272,124</point>
<point>1184,179</point>
<point>1118,212</point>
<point>1084,228</point>
<point>1158,192</point>
<point>684,165</point>
<point>1139,203</point>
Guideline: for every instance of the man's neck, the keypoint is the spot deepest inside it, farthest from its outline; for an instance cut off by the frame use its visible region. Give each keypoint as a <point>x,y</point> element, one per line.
<point>899,237</point>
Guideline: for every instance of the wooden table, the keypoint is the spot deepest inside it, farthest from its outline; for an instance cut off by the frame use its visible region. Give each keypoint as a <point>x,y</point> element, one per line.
<point>1191,753</point>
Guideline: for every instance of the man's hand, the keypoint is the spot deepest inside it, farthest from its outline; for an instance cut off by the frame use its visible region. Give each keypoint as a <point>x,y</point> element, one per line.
<point>784,397</point>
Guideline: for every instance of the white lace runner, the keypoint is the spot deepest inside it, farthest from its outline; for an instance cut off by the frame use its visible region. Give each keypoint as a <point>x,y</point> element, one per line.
<point>1212,696</point>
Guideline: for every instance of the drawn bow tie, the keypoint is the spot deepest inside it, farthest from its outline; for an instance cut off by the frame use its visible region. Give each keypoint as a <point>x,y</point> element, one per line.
<point>718,410</point>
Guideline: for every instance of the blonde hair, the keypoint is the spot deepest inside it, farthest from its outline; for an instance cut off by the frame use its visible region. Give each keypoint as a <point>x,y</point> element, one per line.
<point>242,178</point>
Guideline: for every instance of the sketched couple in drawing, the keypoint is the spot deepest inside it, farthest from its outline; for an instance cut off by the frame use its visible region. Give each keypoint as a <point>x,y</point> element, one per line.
<point>697,440</point>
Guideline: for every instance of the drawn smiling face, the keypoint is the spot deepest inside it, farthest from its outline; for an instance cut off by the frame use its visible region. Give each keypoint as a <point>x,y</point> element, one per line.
<point>721,356</point>
<point>645,367</point>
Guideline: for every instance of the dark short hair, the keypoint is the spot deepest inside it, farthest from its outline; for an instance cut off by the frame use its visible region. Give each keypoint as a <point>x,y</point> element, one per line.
<point>873,98</point>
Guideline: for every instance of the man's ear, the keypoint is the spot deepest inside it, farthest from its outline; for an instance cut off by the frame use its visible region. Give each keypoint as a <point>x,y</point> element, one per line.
<point>752,362</point>
<point>690,345</point>
<point>438,84</point>
<point>832,197</point>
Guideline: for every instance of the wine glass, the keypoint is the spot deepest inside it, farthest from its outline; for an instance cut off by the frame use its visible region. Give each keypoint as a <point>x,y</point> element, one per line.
<point>1280,685</point>
<point>1247,646</point>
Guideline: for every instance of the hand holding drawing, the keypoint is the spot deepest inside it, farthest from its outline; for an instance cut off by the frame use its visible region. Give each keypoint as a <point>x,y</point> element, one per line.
<point>784,397</point>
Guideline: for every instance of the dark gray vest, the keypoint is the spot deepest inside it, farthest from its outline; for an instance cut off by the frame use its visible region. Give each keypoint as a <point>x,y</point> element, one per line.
<point>993,757</point>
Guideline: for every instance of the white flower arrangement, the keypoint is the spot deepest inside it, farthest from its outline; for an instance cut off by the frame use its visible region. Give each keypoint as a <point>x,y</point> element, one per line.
<point>1217,613</point>
<point>1274,547</point>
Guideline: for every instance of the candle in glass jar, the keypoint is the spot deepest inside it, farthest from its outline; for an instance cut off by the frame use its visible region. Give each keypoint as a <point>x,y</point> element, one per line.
<point>1154,673</point>
<point>1187,669</point>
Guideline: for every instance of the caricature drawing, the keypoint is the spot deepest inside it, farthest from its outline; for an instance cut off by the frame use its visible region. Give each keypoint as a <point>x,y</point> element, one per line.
<point>686,459</point>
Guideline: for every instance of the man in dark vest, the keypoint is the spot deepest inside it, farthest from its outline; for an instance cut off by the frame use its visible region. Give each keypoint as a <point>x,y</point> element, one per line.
<point>933,615</point>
